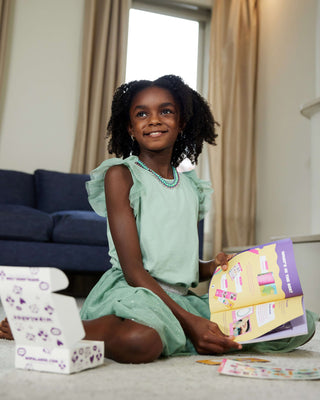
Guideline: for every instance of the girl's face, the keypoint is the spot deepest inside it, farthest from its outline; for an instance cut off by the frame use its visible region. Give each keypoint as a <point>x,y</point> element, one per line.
<point>154,119</point>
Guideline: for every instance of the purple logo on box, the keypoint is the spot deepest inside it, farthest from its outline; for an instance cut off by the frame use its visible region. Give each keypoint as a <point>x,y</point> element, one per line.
<point>21,351</point>
<point>17,289</point>
<point>44,285</point>
<point>31,337</point>
<point>49,309</point>
<point>10,300</point>
<point>43,335</point>
<point>55,331</point>
<point>75,357</point>
<point>34,308</point>
<point>62,365</point>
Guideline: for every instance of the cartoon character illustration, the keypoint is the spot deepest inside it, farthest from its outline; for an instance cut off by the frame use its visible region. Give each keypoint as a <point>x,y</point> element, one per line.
<point>240,327</point>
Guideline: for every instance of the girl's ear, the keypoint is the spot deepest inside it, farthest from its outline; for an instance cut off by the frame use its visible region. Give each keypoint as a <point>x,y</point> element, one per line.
<point>130,130</point>
<point>182,125</point>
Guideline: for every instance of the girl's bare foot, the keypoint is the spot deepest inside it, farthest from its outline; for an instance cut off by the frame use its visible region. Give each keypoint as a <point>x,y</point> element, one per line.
<point>5,331</point>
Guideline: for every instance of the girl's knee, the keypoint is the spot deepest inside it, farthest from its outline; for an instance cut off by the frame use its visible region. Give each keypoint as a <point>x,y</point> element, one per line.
<point>135,343</point>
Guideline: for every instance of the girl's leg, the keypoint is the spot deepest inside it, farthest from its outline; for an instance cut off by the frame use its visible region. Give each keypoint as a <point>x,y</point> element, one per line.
<point>125,341</point>
<point>5,331</point>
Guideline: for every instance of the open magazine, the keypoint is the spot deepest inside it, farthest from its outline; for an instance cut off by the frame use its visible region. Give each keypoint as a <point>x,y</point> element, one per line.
<point>259,297</point>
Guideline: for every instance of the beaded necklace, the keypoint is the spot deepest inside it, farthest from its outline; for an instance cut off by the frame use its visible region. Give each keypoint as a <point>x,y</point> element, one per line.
<point>174,182</point>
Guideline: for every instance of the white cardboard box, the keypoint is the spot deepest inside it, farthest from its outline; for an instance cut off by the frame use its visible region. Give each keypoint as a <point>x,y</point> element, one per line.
<point>46,326</point>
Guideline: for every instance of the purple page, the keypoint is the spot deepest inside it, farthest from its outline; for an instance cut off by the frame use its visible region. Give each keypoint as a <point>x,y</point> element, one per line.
<point>287,267</point>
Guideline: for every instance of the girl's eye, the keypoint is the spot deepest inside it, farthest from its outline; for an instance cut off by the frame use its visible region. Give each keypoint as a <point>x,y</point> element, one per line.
<point>141,114</point>
<point>167,111</point>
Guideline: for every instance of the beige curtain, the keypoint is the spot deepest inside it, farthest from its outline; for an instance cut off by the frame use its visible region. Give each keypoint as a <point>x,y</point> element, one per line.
<point>6,10</point>
<point>103,70</point>
<point>232,87</point>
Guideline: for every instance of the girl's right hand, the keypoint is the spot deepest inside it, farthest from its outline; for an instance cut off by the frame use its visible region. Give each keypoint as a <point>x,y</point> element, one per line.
<point>207,338</point>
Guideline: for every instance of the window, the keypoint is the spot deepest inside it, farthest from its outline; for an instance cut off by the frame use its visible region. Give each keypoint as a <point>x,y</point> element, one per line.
<point>172,37</point>
<point>166,39</point>
<point>154,51</point>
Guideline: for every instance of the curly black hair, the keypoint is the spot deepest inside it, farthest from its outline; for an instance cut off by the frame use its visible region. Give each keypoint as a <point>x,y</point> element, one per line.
<point>195,114</point>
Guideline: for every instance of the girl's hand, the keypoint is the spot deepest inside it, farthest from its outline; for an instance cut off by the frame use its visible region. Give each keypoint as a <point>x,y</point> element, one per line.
<point>207,268</point>
<point>207,337</point>
<point>222,260</point>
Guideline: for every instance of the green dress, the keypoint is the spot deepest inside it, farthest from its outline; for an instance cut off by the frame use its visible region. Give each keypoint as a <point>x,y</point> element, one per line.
<point>166,219</point>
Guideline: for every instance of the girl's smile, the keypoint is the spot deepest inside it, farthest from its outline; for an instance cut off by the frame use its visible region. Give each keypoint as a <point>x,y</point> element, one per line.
<point>154,134</point>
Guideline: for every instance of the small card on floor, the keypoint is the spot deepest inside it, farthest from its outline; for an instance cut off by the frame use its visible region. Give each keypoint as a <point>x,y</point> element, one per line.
<point>243,359</point>
<point>244,370</point>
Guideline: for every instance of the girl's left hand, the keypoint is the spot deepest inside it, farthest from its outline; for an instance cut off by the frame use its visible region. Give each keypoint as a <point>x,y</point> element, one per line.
<point>222,260</point>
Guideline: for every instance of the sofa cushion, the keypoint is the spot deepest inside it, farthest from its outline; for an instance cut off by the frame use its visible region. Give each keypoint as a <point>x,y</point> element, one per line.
<point>81,227</point>
<point>16,188</point>
<point>24,223</point>
<point>59,191</point>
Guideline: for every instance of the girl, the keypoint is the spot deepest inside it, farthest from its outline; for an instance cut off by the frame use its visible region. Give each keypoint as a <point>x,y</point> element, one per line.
<point>141,308</point>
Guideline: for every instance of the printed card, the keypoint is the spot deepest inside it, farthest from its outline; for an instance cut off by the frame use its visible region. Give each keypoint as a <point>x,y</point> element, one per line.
<point>240,369</point>
<point>242,359</point>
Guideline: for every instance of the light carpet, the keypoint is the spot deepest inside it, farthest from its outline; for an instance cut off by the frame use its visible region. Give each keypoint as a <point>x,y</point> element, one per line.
<point>172,378</point>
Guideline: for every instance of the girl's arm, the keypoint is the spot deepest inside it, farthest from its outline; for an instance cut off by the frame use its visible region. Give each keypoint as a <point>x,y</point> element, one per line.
<point>204,334</point>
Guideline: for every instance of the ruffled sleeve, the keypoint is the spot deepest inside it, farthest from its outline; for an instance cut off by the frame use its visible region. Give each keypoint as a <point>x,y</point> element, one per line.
<point>95,186</point>
<point>204,191</point>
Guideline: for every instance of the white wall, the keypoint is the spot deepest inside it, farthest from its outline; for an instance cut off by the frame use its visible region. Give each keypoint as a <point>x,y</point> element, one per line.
<point>315,141</point>
<point>286,79</point>
<point>39,117</point>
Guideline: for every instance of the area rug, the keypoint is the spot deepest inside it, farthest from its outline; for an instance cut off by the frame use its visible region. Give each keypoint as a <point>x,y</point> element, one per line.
<point>171,378</point>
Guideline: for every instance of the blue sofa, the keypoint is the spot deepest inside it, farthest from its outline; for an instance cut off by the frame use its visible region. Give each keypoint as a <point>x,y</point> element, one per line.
<point>46,220</point>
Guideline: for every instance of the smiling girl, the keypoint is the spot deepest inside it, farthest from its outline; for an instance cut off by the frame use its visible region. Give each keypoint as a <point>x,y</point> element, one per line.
<point>142,308</point>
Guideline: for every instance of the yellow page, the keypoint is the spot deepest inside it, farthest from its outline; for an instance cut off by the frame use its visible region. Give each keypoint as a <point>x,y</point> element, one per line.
<point>251,322</point>
<point>252,278</point>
